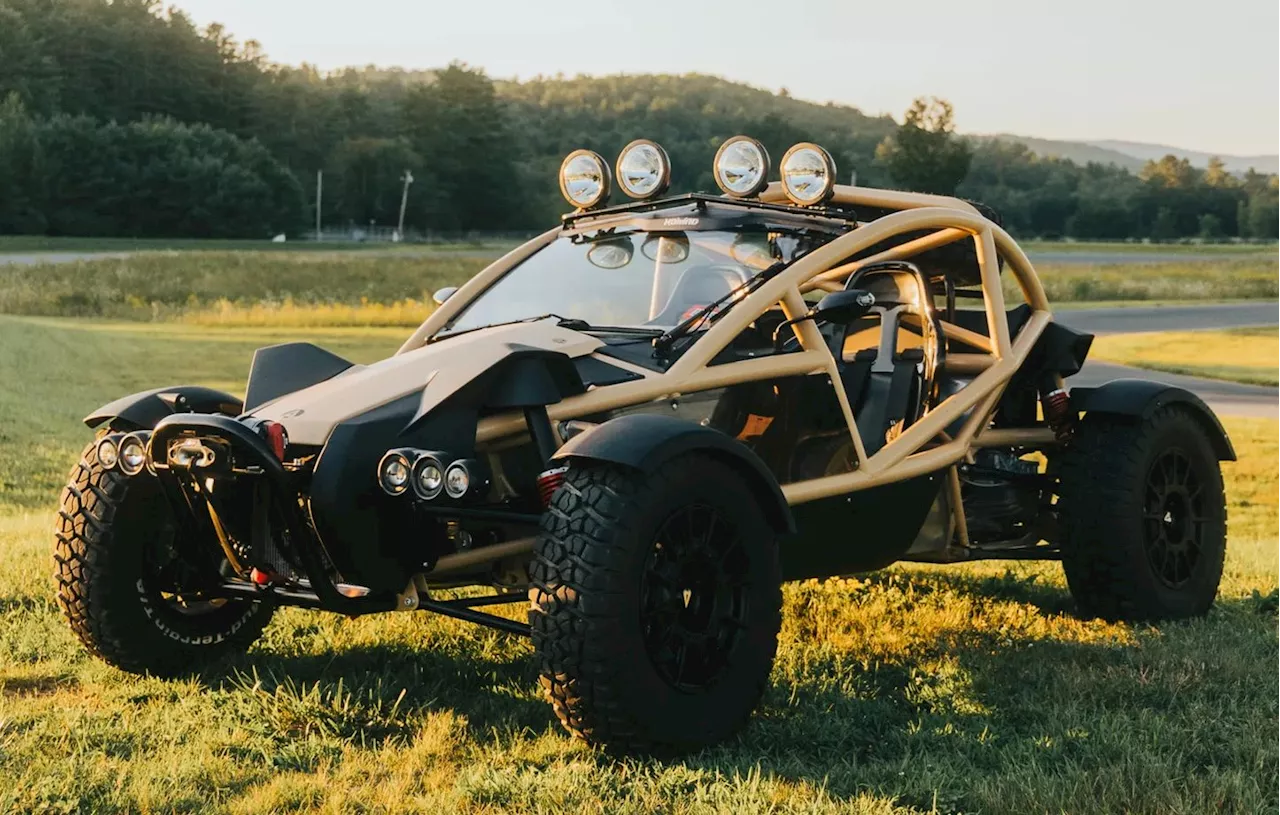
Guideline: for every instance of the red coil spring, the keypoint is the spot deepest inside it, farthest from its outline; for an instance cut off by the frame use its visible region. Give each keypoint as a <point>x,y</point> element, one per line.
<point>549,481</point>
<point>1057,414</point>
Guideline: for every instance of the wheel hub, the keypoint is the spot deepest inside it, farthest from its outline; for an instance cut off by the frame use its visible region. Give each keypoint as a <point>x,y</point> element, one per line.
<point>693,597</point>
<point>1174,517</point>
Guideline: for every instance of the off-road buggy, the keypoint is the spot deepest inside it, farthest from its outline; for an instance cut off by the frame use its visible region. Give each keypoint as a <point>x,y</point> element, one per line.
<point>638,425</point>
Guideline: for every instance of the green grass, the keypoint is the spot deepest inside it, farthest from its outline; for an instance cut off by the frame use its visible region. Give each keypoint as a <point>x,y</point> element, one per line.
<point>1245,355</point>
<point>319,288</point>
<point>917,689</point>
<point>223,287</point>
<point>39,243</point>
<point>1253,278</point>
<point>1138,248</point>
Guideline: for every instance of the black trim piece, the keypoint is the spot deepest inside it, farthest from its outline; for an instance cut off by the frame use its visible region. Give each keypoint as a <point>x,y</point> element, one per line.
<point>645,441</point>
<point>600,373</point>
<point>859,531</point>
<point>277,370</point>
<point>1142,397</point>
<point>146,408</point>
<point>479,514</point>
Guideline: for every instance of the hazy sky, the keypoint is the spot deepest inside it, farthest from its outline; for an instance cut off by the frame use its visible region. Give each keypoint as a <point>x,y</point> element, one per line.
<point>1201,76</point>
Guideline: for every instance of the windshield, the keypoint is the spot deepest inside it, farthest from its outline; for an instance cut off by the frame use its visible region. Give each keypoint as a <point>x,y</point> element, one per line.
<point>632,278</point>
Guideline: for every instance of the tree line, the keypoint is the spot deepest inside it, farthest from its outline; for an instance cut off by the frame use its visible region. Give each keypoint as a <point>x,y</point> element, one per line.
<point>123,118</point>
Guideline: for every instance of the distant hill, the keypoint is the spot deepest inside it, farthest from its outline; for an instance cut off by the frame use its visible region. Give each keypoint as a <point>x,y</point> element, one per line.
<point>1143,151</point>
<point>1132,155</point>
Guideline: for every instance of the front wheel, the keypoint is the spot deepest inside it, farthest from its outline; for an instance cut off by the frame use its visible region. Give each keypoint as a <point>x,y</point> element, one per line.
<point>123,587</point>
<point>1143,517</point>
<point>655,604</point>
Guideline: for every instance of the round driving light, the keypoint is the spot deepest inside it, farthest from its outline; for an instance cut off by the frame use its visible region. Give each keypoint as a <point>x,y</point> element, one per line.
<point>428,477</point>
<point>808,174</point>
<point>108,453</point>
<point>584,179</point>
<point>457,480</point>
<point>644,171</point>
<point>611,254</point>
<point>133,454</point>
<point>742,167</point>
<point>394,472</point>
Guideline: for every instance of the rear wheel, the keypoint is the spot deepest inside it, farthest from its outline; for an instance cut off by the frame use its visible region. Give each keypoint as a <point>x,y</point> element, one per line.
<point>128,595</point>
<point>1143,517</point>
<point>656,602</point>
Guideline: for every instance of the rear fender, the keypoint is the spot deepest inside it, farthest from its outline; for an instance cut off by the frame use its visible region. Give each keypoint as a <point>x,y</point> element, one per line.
<point>1140,398</point>
<point>146,408</point>
<point>644,442</point>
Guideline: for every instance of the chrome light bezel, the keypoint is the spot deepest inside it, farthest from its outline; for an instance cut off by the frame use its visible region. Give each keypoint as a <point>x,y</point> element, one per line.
<point>426,459</point>
<point>655,151</point>
<point>807,151</point>
<point>724,153</point>
<point>403,455</point>
<point>140,439</point>
<point>580,159</point>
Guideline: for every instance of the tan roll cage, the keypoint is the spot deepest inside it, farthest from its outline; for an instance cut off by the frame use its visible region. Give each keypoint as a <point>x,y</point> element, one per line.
<point>922,448</point>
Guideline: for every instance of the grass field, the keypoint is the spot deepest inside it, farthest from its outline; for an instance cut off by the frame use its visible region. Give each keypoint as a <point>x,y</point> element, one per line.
<point>319,288</point>
<point>917,689</point>
<point>34,244</point>
<point>1247,355</point>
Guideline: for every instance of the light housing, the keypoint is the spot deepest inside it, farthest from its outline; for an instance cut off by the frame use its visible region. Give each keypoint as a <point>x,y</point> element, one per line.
<point>465,478</point>
<point>428,476</point>
<point>133,453</point>
<point>395,470</point>
<point>741,167</point>
<point>808,174</point>
<point>109,452</point>
<point>585,179</point>
<point>643,169</point>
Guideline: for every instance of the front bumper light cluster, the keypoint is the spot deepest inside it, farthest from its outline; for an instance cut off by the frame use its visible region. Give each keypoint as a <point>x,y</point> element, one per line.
<point>126,452</point>
<point>426,474</point>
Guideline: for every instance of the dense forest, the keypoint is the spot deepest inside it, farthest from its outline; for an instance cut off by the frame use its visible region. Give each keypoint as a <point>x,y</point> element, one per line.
<point>122,118</point>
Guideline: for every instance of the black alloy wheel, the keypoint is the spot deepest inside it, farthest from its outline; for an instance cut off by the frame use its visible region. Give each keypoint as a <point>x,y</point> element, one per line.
<point>694,599</point>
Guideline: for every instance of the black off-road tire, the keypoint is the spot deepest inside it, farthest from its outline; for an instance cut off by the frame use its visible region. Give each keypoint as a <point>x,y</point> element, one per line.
<point>599,564</point>
<point>104,527</point>
<point>1126,537</point>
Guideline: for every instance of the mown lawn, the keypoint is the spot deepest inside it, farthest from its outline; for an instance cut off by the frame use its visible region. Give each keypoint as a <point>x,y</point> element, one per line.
<point>917,689</point>
<point>373,288</point>
<point>1247,355</point>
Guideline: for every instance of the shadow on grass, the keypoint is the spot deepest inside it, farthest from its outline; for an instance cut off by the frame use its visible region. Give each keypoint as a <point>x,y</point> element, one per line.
<point>974,703</point>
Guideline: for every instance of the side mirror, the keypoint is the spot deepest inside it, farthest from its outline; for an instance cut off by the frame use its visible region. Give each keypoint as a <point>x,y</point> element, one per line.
<point>843,307</point>
<point>443,294</point>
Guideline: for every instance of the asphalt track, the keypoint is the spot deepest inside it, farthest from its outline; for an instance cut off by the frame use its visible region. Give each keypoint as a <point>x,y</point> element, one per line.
<point>1226,398</point>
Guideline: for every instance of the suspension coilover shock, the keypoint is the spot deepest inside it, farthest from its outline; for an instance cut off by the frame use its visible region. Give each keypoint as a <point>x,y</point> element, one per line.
<point>1056,405</point>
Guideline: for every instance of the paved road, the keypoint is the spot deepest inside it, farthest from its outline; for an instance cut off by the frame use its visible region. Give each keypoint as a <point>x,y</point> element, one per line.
<point>32,258</point>
<point>1226,398</point>
<point>1126,258</point>
<point>1168,318</point>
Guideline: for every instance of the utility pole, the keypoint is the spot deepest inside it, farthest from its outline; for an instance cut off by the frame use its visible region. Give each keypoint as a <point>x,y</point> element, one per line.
<point>404,200</point>
<point>319,196</point>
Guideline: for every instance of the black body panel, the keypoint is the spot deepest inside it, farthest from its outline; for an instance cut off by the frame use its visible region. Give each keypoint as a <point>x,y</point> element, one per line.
<point>858,532</point>
<point>371,536</point>
<point>645,441</point>
<point>280,369</point>
<point>1142,397</point>
<point>146,408</point>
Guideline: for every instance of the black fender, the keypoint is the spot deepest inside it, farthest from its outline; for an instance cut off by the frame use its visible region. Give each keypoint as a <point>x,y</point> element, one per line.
<point>1142,397</point>
<point>145,408</point>
<point>645,441</point>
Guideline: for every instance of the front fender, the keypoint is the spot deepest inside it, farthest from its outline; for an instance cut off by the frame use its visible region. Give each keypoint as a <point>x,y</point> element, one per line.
<point>146,408</point>
<point>645,441</point>
<point>1142,397</point>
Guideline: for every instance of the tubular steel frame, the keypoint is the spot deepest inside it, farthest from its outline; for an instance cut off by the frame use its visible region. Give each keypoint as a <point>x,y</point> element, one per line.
<point>946,220</point>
